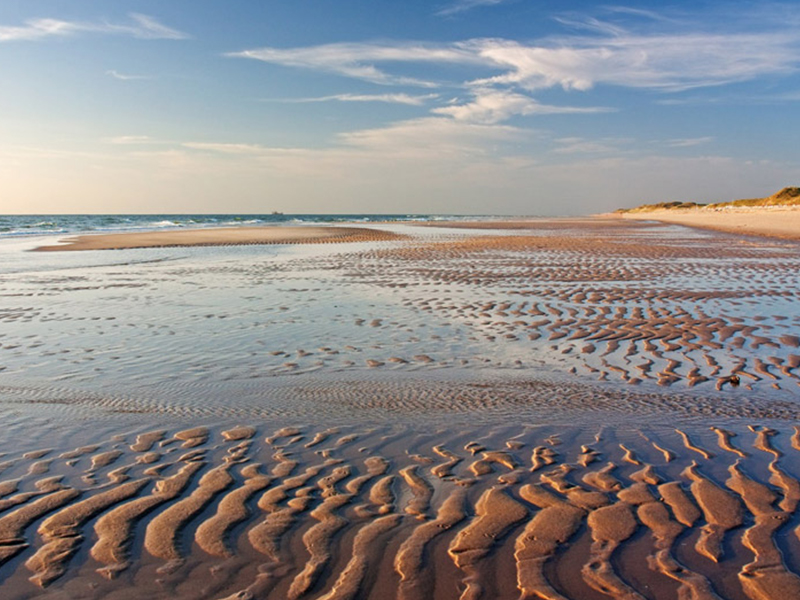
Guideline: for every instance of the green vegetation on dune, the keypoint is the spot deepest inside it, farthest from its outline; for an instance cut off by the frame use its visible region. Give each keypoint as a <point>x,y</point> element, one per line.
<point>788,196</point>
<point>660,206</point>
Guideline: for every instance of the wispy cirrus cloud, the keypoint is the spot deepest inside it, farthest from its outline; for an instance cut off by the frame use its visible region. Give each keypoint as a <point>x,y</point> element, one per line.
<point>689,142</point>
<point>128,139</point>
<point>669,58</point>
<point>124,76</point>
<point>149,28</point>
<point>666,62</point>
<point>139,26</point>
<point>494,106</point>
<point>431,136</point>
<point>229,148</point>
<point>357,60</point>
<point>579,145</point>
<point>409,99</point>
<point>640,12</point>
<point>420,138</point>
<point>459,6</point>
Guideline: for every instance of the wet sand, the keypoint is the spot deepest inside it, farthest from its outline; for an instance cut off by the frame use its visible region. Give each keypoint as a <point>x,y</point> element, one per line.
<point>768,221</point>
<point>218,237</point>
<point>579,409</point>
<point>508,511</point>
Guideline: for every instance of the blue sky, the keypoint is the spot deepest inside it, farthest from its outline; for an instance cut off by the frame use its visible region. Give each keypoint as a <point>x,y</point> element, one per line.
<point>469,106</point>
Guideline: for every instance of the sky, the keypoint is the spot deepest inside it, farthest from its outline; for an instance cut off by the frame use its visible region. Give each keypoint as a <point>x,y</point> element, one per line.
<point>519,107</point>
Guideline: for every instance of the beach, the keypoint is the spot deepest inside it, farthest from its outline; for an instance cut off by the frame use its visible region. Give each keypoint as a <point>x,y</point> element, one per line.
<point>775,221</point>
<point>577,408</point>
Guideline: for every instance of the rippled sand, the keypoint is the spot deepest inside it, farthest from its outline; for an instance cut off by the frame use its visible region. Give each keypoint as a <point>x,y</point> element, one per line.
<point>512,510</point>
<point>549,409</point>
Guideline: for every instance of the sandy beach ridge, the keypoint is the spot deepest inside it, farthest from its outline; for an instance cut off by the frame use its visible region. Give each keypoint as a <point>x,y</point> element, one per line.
<point>774,216</point>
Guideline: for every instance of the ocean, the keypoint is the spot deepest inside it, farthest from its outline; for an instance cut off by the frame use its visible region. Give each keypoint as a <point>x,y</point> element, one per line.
<point>27,225</point>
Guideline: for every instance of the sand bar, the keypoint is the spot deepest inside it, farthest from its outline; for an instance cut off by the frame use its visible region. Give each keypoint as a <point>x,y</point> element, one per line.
<point>781,222</point>
<point>220,237</point>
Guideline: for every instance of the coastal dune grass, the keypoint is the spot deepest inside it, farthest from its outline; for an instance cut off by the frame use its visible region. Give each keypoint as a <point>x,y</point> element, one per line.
<point>788,196</point>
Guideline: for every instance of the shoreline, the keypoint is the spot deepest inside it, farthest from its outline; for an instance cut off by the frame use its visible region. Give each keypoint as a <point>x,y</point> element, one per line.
<point>773,222</point>
<point>218,237</point>
<point>783,222</point>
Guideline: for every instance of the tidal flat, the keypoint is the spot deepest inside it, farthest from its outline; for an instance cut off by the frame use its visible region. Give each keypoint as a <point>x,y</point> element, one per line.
<point>552,408</point>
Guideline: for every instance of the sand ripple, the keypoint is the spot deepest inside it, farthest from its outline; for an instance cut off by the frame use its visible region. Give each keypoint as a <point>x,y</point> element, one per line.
<point>382,514</point>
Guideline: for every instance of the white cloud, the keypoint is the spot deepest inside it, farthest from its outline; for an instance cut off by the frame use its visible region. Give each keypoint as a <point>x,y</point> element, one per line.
<point>494,106</point>
<point>589,24</point>
<point>122,140</point>
<point>124,77</point>
<point>688,142</point>
<point>149,28</point>
<point>432,136</point>
<point>227,148</point>
<point>639,12</point>
<point>411,100</point>
<point>37,28</point>
<point>668,62</point>
<point>414,139</point>
<point>674,59</point>
<point>354,59</point>
<point>578,145</point>
<point>140,26</point>
<point>459,6</point>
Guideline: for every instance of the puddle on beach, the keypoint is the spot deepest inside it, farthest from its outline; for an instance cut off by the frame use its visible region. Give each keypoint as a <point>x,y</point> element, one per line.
<point>587,409</point>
